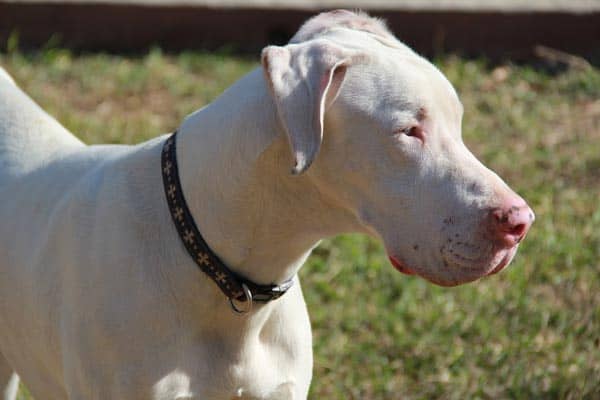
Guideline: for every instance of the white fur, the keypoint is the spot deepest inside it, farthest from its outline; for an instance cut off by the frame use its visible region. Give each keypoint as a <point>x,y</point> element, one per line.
<point>98,297</point>
<point>5,75</point>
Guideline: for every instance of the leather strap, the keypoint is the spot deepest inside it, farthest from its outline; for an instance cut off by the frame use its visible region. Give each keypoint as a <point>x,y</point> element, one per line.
<point>230,283</point>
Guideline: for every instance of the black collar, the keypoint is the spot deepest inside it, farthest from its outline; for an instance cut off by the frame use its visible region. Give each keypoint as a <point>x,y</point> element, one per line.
<point>235,287</point>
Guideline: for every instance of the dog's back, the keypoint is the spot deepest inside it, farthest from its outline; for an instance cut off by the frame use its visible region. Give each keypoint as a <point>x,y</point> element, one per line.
<point>55,192</point>
<point>29,137</point>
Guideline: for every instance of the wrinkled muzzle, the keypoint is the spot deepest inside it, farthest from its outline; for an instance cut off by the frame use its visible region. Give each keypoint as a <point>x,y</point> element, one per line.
<point>470,226</point>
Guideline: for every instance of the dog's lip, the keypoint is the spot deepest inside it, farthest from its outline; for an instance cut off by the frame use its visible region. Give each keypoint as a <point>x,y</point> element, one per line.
<point>400,266</point>
<point>504,262</point>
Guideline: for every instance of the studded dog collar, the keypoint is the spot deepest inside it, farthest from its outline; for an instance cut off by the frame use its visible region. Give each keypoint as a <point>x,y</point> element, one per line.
<point>235,287</point>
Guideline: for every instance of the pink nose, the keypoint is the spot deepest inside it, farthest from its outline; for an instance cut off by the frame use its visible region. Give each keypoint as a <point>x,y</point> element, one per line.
<point>509,223</point>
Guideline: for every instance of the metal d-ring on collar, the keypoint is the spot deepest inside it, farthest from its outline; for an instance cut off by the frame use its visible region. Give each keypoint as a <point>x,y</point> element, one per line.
<point>248,307</point>
<point>236,288</point>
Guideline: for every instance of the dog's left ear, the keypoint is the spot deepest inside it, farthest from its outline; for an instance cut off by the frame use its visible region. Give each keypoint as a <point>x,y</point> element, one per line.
<point>304,80</point>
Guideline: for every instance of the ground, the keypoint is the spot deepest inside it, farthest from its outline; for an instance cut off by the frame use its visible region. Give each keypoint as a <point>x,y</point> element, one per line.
<point>532,331</point>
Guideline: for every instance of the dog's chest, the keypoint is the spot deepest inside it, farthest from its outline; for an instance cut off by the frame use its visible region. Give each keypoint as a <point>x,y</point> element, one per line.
<point>261,377</point>
<point>269,363</point>
<point>258,375</point>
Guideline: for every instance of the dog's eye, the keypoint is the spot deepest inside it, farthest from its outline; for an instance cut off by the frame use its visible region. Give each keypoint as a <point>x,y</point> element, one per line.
<point>412,131</point>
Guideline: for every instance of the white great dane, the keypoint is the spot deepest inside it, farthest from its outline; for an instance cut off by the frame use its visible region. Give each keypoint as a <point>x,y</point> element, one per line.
<point>99,298</point>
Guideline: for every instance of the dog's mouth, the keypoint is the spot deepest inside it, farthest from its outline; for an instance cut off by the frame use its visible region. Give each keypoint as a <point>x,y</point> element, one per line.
<point>508,256</point>
<point>462,273</point>
<point>402,267</point>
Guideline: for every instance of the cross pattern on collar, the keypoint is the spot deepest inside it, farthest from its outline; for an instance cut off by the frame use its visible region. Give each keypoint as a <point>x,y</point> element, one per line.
<point>230,283</point>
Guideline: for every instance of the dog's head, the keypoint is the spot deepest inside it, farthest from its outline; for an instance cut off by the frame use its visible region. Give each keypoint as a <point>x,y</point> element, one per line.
<point>378,129</point>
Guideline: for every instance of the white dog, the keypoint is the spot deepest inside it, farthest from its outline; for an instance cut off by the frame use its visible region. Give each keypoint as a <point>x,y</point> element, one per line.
<point>99,298</point>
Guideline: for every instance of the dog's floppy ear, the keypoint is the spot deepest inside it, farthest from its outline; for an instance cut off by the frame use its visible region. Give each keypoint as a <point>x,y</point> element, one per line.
<point>304,80</point>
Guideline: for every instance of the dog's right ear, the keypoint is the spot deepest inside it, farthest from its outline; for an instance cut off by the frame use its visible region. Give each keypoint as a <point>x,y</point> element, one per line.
<point>304,80</point>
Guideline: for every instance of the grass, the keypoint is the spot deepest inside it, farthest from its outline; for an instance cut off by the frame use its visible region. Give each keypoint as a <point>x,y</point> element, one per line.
<point>532,331</point>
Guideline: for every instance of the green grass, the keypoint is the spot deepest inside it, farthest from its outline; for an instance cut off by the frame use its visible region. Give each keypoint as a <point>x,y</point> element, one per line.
<point>532,331</point>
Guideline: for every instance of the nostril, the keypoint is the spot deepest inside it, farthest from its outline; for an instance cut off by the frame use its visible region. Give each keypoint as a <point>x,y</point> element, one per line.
<point>510,224</point>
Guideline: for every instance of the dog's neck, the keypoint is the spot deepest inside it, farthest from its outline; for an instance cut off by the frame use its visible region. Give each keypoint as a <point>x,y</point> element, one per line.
<point>235,163</point>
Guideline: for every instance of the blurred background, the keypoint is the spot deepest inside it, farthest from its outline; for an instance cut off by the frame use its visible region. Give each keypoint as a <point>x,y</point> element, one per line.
<point>527,73</point>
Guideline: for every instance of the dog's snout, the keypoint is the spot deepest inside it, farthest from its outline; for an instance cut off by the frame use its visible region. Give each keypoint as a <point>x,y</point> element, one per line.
<point>509,223</point>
